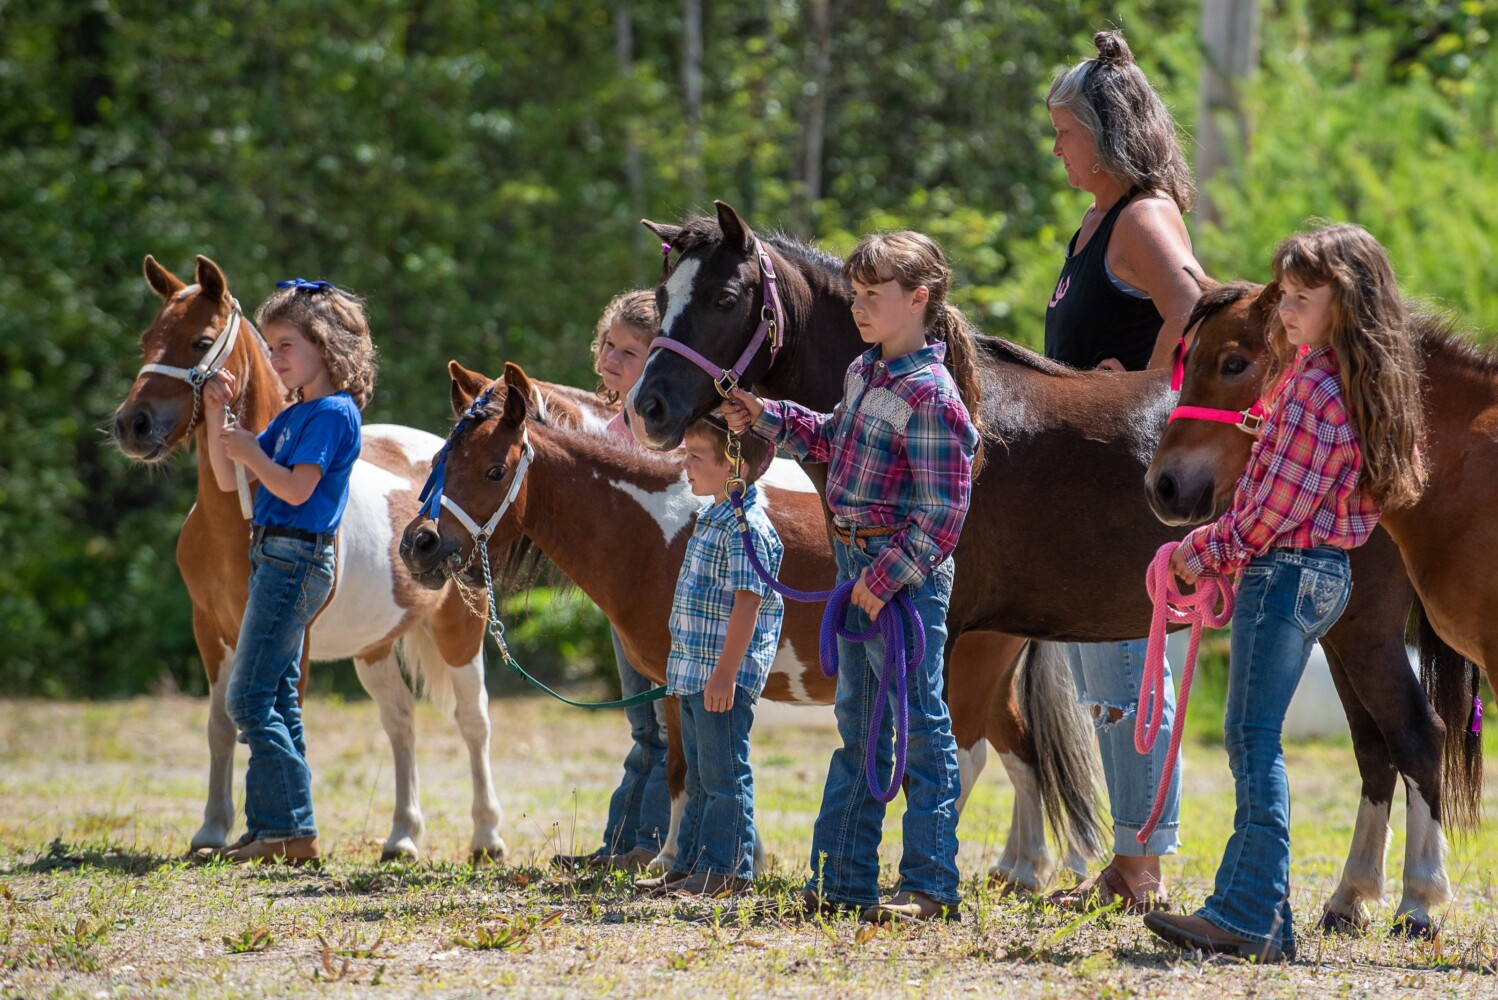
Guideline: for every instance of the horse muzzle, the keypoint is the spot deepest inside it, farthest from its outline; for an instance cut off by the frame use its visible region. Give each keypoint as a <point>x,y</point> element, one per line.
<point>427,554</point>
<point>140,433</point>
<point>1179,499</point>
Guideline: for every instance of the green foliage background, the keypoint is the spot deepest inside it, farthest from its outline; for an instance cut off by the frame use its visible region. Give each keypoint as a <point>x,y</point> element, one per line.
<point>464,164</point>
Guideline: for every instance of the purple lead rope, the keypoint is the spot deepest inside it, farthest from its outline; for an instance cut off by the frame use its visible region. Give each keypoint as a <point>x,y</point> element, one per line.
<point>890,627</point>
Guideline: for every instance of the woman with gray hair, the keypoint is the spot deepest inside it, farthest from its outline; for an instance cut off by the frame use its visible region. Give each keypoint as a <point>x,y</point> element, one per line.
<point>1126,288</point>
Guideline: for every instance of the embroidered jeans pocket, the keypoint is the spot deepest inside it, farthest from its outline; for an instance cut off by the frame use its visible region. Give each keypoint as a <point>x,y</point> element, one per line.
<point>317,584</point>
<point>1320,601</point>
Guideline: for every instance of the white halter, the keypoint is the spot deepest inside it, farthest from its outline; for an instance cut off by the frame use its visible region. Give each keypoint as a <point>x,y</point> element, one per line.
<point>199,374</point>
<point>482,532</point>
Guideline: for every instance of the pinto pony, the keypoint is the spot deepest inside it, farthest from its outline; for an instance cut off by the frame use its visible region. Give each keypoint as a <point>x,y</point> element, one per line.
<point>1059,531</point>
<point>615,520</point>
<point>377,615</point>
<point>1444,539</point>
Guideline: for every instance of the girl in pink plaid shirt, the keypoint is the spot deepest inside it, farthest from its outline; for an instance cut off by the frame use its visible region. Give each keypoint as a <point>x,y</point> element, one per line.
<point>900,451</point>
<point>1339,444</point>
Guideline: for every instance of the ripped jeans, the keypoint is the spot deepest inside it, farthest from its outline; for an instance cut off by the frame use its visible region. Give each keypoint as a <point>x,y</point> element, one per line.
<point>1107,675</point>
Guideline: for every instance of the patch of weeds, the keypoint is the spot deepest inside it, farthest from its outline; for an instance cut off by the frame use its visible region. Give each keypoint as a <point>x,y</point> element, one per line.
<point>336,961</point>
<point>50,943</point>
<point>256,937</point>
<point>520,932</point>
<point>1042,949</point>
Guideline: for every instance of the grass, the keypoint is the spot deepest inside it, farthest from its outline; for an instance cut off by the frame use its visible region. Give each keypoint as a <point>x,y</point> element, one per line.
<point>102,798</point>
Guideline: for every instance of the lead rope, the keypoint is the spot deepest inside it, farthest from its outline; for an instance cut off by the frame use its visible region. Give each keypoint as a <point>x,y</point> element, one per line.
<point>1209,605</point>
<point>889,627</point>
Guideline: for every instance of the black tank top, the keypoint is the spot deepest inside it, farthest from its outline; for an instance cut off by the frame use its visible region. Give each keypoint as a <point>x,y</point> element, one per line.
<point>1089,318</point>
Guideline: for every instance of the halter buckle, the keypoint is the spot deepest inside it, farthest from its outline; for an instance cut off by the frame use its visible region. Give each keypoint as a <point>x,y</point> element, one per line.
<point>1252,423</point>
<point>726,383</point>
<point>196,377</point>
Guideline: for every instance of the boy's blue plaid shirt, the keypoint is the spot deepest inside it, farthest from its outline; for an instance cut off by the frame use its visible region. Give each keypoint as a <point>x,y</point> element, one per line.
<point>714,567</point>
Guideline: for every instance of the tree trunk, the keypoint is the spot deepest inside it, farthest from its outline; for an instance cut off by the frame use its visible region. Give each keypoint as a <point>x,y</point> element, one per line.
<point>1230,54</point>
<point>816,114</point>
<point>691,86</point>
<point>624,48</point>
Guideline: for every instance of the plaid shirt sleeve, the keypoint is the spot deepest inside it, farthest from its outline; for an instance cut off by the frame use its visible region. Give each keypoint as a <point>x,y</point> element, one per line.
<point>741,575</point>
<point>1307,444</point>
<point>797,430</point>
<point>940,441</point>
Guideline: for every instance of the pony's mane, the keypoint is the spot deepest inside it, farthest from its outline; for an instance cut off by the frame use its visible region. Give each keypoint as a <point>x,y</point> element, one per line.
<point>1442,333</point>
<point>703,231</point>
<point>1438,331</point>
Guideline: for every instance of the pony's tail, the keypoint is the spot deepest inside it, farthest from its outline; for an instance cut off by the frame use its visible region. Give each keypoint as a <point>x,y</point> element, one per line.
<point>428,672</point>
<point>1066,768</point>
<point>951,327</point>
<point>1451,684</point>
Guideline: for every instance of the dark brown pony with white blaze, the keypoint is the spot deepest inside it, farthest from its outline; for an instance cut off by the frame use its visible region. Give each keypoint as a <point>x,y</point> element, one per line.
<point>1448,542</point>
<point>615,520</point>
<point>377,614</point>
<point>1059,531</point>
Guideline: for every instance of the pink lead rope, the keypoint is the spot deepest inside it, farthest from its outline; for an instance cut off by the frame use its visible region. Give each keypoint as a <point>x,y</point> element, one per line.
<point>1209,605</point>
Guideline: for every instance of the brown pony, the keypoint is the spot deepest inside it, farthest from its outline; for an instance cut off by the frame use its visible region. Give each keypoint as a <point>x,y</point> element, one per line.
<point>612,517</point>
<point>377,614</point>
<point>1443,539</point>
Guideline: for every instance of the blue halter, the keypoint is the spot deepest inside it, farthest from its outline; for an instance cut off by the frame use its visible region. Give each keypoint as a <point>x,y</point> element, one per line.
<point>431,493</point>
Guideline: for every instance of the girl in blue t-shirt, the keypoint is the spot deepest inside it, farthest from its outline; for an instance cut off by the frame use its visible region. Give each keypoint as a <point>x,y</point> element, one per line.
<point>320,347</point>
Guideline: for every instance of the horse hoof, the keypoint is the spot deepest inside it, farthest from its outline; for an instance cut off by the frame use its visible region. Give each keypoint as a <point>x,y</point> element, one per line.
<point>481,856</point>
<point>1333,922</point>
<point>1004,885</point>
<point>403,856</point>
<point>1413,928</point>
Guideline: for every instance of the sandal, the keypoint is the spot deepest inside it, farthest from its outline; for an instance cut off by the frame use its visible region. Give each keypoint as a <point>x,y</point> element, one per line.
<point>1108,886</point>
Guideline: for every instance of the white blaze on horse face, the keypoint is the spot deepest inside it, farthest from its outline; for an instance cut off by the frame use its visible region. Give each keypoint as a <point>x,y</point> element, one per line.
<point>679,290</point>
<point>671,509</point>
<point>364,608</point>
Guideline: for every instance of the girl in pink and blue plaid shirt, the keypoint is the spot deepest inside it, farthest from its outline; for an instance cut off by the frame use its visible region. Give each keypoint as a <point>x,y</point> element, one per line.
<point>900,450</point>
<point>1339,444</point>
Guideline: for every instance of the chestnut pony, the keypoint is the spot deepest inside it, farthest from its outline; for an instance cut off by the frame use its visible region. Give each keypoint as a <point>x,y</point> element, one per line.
<point>377,615</point>
<point>1059,531</point>
<point>615,520</point>
<point>1448,541</point>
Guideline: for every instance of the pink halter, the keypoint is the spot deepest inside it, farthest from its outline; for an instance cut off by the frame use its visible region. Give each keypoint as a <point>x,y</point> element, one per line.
<point>771,321</point>
<point>1250,421</point>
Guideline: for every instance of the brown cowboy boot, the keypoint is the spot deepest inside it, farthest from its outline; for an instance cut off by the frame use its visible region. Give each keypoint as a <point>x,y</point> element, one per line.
<point>912,906</point>
<point>710,885</point>
<point>1194,932</point>
<point>291,851</point>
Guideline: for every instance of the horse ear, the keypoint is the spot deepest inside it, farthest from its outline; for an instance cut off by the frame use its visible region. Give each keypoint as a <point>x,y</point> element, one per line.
<point>466,386</point>
<point>163,282</point>
<point>211,280</point>
<point>517,393</point>
<point>735,230</point>
<point>666,233</point>
<point>1268,297</point>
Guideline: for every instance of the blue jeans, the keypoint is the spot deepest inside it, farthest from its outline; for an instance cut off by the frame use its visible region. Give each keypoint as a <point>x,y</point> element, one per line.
<point>1107,676</point>
<point>845,841</point>
<point>1287,599</point>
<point>717,829</point>
<point>640,809</point>
<point>290,580</point>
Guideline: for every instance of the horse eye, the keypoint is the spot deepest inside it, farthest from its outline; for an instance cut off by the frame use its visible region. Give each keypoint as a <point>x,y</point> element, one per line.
<point>495,473</point>
<point>202,343</point>
<point>726,301</point>
<point>1234,365</point>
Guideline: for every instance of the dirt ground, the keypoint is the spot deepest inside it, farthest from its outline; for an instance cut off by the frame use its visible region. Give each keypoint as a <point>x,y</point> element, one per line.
<point>101,798</point>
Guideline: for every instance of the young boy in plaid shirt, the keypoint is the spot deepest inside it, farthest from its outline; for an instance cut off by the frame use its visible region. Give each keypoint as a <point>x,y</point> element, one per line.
<point>725,627</point>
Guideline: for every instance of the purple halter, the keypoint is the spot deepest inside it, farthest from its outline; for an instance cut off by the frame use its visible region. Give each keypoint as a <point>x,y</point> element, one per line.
<point>771,316</point>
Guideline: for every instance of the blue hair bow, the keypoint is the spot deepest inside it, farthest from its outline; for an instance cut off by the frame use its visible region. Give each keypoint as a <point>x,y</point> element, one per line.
<point>303,285</point>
